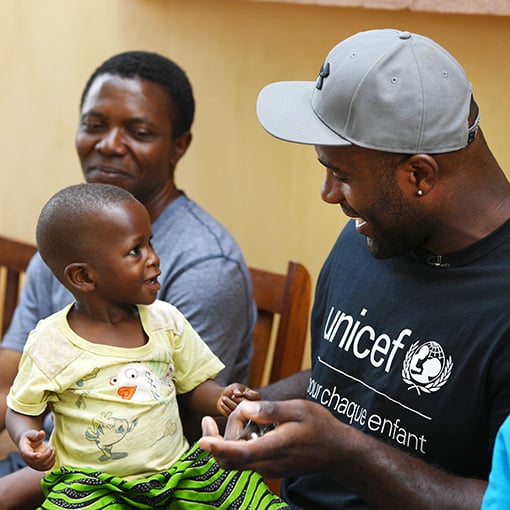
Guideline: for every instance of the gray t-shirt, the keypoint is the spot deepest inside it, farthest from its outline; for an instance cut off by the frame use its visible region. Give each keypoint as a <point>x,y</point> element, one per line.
<point>203,274</point>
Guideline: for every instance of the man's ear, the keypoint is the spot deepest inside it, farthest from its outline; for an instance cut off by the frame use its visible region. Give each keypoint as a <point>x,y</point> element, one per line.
<point>80,276</point>
<point>181,144</point>
<point>420,174</point>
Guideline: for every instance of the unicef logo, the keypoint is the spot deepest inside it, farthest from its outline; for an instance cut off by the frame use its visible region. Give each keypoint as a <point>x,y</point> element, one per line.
<point>426,368</point>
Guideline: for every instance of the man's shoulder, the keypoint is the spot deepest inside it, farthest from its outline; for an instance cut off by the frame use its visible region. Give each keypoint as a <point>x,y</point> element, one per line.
<point>184,210</point>
<point>40,276</point>
<point>187,228</point>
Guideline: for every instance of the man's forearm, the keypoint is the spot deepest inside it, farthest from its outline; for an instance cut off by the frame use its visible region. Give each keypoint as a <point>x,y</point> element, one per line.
<point>387,478</point>
<point>309,439</point>
<point>289,388</point>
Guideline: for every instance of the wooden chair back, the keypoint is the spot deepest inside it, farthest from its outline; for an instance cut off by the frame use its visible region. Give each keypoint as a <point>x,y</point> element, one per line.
<point>14,258</point>
<point>283,303</point>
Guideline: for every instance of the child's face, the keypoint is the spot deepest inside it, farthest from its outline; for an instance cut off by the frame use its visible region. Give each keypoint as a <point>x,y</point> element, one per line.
<point>126,267</point>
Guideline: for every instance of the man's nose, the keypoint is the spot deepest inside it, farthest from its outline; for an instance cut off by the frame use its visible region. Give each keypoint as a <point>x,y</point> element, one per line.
<point>112,142</point>
<point>330,190</point>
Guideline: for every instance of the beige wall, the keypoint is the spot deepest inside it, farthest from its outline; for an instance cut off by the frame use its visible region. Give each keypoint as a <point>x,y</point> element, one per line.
<point>264,190</point>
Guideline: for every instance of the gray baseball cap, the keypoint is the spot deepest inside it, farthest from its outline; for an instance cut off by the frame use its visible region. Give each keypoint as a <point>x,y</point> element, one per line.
<point>387,90</point>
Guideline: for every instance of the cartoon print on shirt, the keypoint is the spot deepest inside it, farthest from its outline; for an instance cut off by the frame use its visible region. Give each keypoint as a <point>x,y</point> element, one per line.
<point>106,431</point>
<point>136,382</point>
<point>169,430</point>
<point>426,368</point>
<point>81,401</point>
<point>87,377</point>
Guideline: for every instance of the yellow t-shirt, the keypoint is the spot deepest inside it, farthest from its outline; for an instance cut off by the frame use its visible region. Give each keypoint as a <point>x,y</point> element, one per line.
<point>115,408</point>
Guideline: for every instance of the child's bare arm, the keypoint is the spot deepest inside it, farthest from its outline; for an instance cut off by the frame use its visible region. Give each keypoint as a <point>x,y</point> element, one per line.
<point>212,398</point>
<point>232,395</point>
<point>27,434</point>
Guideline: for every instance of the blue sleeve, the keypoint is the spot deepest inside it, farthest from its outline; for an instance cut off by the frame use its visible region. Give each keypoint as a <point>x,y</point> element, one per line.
<point>497,495</point>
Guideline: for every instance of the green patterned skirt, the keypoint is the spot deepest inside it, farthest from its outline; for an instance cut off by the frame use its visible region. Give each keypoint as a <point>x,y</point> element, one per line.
<point>194,482</point>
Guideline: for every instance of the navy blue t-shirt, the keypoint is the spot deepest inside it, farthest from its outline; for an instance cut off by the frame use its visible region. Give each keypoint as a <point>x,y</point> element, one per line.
<point>413,354</point>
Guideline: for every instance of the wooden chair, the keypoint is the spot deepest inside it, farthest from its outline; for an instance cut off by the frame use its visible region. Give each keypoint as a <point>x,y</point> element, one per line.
<point>279,338</point>
<point>282,299</point>
<point>14,258</point>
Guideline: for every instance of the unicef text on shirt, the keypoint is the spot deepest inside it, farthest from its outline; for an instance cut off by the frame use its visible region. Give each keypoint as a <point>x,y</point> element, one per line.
<point>363,341</point>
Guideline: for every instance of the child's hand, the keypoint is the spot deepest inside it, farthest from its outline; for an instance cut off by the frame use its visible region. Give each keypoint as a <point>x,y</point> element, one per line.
<point>34,451</point>
<point>232,395</point>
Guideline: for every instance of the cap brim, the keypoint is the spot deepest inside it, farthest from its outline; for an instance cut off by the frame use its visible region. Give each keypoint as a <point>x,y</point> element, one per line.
<point>285,111</point>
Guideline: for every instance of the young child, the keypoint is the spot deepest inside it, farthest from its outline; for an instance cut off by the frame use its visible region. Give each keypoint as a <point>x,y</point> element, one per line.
<point>110,366</point>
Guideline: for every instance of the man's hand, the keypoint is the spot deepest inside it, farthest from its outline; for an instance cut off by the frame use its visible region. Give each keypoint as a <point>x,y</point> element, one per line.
<point>309,439</point>
<point>298,444</point>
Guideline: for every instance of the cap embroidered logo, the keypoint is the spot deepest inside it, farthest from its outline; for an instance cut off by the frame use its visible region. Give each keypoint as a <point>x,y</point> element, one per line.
<point>323,73</point>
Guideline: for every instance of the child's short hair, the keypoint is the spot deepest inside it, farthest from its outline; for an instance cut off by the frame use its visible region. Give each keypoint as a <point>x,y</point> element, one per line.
<point>68,221</point>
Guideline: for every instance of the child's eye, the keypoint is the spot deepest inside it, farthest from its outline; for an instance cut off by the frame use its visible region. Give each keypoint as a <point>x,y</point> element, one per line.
<point>142,133</point>
<point>135,251</point>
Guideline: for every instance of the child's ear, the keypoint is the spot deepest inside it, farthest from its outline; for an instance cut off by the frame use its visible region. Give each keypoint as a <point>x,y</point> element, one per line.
<point>80,276</point>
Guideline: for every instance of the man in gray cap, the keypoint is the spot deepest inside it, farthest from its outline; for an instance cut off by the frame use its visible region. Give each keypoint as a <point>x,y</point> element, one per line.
<point>410,375</point>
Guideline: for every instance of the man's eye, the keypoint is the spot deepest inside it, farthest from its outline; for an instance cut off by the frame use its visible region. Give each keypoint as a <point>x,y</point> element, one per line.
<point>92,125</point>
<point>141,134</point>
<point>336,177</point>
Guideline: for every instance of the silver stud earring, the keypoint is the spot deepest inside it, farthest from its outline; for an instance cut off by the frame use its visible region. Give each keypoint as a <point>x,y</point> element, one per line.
<point>420,192</point>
